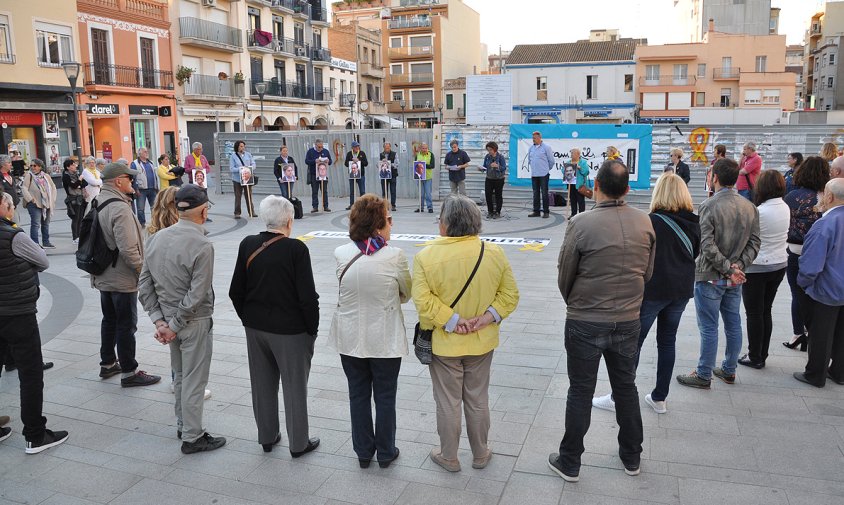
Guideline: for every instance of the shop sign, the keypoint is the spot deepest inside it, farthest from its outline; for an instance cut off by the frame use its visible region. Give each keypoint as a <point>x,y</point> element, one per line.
<point>103,108</point>
<point>143,110</point>
<point>15,118</point>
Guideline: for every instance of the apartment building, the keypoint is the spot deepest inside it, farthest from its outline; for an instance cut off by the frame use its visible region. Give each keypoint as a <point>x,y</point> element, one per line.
<point>749,17</point>
<point>362,46</point>
<point>36,113</point>
<point>794,64</point>
<point>823,70</point>
<point>129,97</point>
<point>424,42</point>
<point>453,110</point>
<point>724,70</point>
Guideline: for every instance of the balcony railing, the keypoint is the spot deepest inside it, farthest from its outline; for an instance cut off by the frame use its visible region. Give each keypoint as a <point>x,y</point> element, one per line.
<point>7,58</point>
<point>284,4</point>
<point>414,3</point>
<point>421,104</point>
<point>372,70</point>
<point>322,54</point>
<point>210,33</point>
<point>345,100</point>
<point>668,80</point>
<point>286,46</point>
<point>816,30</point>
<point>212,85</point>
<point>103,74</point>
<point>413,78</point>
<point>418,22</point>
<point>292,89</point>
<point>150,9</point>
<point>399,52</point>
<point>319,15</point>
<point>255,41</point>
<point>302,8</point>
<point>301,50</point>
<point>727,73</point>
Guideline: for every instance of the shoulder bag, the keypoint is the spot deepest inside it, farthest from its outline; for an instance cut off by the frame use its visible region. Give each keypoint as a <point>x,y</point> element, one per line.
<point>254,176</point>
<point>684,239</point>
<point>422,338</point>
<point>343,274</point>
<point>262,248</point>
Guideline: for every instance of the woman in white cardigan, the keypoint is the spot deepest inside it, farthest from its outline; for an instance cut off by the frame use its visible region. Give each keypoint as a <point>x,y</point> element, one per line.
<point>368,327</point>
<point>91,176</point>
<point>768,269</point>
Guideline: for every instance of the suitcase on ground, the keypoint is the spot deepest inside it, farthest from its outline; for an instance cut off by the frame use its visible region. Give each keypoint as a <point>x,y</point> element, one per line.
<point>298,213</point>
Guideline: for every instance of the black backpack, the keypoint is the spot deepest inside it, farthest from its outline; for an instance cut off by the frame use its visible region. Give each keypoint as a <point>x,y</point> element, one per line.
<point>93,255</point>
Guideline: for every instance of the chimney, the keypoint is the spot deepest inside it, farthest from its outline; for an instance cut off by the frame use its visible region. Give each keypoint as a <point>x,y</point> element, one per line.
<point>711,25</point>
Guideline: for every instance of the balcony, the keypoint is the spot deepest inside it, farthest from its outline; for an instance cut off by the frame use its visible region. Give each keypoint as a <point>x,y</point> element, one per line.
<point>726,74</point>
<point>345,100</point>
<point>815,30</point>
<point>285,6</point>
<point>301,9</point>
<point>412,79</point>
<point>371,70</point>
<point>397,53</point>
<point>201,33</point>
<point>285,47</point>
<point>154,11</point>
<point>421,105</point>
<point>211,87</point>
<point>301,51</point>
<point>319,16</point>
<point>668,80</point>
<point>291,90</point>
<point>102,74</point>
<point>259,41</point>
<point>404,23</point>
<point>321,55</point>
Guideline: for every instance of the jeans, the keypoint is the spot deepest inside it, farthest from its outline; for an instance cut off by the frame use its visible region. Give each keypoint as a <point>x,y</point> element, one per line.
<point>578,201</point>
<point>315,188</point>
<point>758,295</point>
<point>746,193</point>
<point>19,334</point>
<point>826,342</point>
<point>243,192</point>
<point>426,194</point>
<point>120,321</point>
<point>38,218</point>
<point>146,195</point>
<point>797,324</point>
<point>586,342</point>
<point>494,195</point>
<point>389,185</point>
<point>667,314</point>
<point>361,188</point>
<point>540,188</point>
<point>709,301</point>
<point>285,191</point>
<point>370,377</point>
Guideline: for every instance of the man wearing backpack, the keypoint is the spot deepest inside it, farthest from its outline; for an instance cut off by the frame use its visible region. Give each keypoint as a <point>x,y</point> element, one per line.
<point>118,283</point>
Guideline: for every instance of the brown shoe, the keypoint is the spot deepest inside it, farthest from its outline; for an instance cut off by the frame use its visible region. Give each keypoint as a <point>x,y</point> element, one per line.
<point>452,465</point>
<point>482,462</point>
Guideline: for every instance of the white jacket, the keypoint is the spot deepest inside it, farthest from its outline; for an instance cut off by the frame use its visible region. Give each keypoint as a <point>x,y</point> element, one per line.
<point>95,183</point>
<point>774,219</point>
<point>368,322</point>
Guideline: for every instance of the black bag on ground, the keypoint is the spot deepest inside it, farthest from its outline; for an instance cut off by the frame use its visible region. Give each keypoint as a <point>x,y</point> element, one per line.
<point>298,213</point>
<point>93,255</point>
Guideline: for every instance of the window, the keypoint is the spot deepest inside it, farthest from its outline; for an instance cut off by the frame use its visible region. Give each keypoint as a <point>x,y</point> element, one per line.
<point>396,69</point>
<point>700,99</point>
<point>824,61</point>
<point>542,88</point>
<point>54,44</point>
<point>373,60</point>
<point>628,82</point>
<point>254,18</point>
<point>652,73</point>
<point>832,59</point>
<point>681,74</point>
<point>6,54</point>
<point>771,96</point>
<point>449,101</point>
<point>753,96</point>
<point>317,39</point>
<point>726,62</point>
<point>726,94</point>
<point>332,83</point>
<point>395,42</point>
<point>701,70</point>
<point>421,72</point>
<point>829,82</point>
<point>278,27</point>
<point>591,87</point>
<point>280,72</point>
<point>398,95</point>
<point>761,63</point>
<point>299,34</point>
<point>422,41</point>
<point>423,99</point>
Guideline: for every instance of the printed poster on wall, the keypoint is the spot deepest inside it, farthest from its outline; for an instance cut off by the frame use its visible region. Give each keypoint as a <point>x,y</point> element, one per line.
<point>51,125</point>
<point>632,141</point>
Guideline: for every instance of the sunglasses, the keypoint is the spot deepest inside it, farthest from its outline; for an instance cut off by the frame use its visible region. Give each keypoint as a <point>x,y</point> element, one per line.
<point>131,178</point>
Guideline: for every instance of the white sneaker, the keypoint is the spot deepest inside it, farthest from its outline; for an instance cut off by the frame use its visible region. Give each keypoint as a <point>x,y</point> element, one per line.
<point>604,402</point>
<point>659,407</point>
<point>207,394</point>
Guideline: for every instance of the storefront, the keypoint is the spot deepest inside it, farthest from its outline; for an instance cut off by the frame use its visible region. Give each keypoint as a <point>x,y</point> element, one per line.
<point>117,129</point>
<point>46,135</point>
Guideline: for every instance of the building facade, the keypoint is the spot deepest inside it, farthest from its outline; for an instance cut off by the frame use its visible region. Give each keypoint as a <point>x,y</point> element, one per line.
<point>353,43</point>
<point>578,82</point>
<point>129,95</point>
<point>822,69</point>
<point>749,17</point>
<point>36,113</point>
<point>454,101</point>
<point>419,38</point>
<point>725,71</point>
<point>794,64</point>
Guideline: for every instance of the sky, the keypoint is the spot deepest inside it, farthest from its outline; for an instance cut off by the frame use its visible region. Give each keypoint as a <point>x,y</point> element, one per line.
<point>507,23</point>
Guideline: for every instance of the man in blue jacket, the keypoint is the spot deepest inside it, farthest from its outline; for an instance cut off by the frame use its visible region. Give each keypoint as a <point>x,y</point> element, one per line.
<point>314,154</point>
<point>541,161</point>
<point>821,275</point>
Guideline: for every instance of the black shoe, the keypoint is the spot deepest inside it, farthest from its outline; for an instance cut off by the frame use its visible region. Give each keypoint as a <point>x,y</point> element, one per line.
<point>11,368</point>
<point>179,434</point>
<point>49,246</point>
<point>5,433</point>
<point>204,443</point>
<point>802,378</point>
<point>364,463</point>
<point>314,211</point>
<point>417,210</point>
<point>546,215</point>
<point>269,447</point>
<point>106,372</point>
<point>312,444</point>
<point>802,341</point>
<point>746,361</point>
<point>430,211</point>
<point>833,379</point>
<point>349,207</point>
<point>393,208</point>
<point>47,365</point>
<point>554,464</point>
<point>386,462</point>
<point>50,439</point>
<point>237,216</point>
<point>533,214</point>
<point>140,378</point>
<point>327,209</point>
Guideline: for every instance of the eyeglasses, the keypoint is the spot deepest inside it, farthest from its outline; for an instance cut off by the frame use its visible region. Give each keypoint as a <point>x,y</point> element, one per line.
<point>131,179</point>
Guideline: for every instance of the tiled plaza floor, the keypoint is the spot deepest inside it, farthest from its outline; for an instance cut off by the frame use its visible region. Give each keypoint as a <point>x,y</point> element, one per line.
<point>767,439</point>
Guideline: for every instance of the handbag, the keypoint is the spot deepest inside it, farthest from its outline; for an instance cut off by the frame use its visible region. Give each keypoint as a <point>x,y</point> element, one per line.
<point>422,345</point>
<point>585,191</point>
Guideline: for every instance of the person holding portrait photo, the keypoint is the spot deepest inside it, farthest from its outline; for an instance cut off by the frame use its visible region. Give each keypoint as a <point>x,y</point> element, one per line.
<point>424,174</point>
<point>242,159</point>
<point>390,156</point>
<point>280,167</point>
<point>318,160</point>
<point>199,178</point>
<point>356,162</point>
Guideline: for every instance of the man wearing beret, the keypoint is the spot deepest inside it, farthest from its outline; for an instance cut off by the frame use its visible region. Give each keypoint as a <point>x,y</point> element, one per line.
<point>176,291</point>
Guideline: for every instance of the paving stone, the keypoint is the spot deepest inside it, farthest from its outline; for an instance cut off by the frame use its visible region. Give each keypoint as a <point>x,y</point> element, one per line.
<point>615,483</point>
<point>571,497</point>
<point>17,493</point>
<point>87,481</point>
<point>163,493</point>
<point>420,494</point>
<point>541,489</point>
<point>367,489</point>
<point>290,475</point>
<point>700,492</point>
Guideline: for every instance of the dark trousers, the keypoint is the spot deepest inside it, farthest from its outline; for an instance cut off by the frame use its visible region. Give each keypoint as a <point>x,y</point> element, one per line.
<point>540,190</point>
<point>667,314</point>
<point>826,341</point>
<point>78,212</point>
<point>389,185</point>
<point>316,186</point>
<point>758,295</point>
<point>245,192</point>
<point>19,336</point>
<point>578,201</point>
<point>144,196</point>
<point>797,324</point>
<point>494,195</point>
<point>370,377</point>
<point>586,342</point>
<point>361,188</point>
<point>120,321</point>
<point>286,189</point>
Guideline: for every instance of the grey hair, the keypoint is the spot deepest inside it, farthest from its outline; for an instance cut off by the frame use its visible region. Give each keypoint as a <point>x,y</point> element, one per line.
<point>39,162</point>
<point>276,212</point>
<point>5,158</point>
<point>751,146</point>
<point>90,160</point>
<point>195,145</point>
<point>836,188</point>
<point>123,161</point>
<point>319,141</point>
<point>7,200</point>
<point>461,216</point>
<point>101,161</point>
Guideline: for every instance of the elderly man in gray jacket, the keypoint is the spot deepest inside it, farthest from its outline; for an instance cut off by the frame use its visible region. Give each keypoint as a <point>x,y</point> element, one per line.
<point>177,293</point>
<point>118,284</point>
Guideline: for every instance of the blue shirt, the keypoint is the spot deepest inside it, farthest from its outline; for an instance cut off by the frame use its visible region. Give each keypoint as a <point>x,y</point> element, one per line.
<point>822,262</point>
<point>235,164</point>
<point>541,159</point>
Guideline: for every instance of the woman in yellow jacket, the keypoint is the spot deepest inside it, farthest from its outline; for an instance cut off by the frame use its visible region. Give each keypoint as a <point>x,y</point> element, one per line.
<point>164,173</point>
<point>464,337</point>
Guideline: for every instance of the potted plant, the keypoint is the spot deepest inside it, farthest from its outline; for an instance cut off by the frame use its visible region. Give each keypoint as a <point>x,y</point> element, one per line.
<point>238,78</point>
<point>183,74</point>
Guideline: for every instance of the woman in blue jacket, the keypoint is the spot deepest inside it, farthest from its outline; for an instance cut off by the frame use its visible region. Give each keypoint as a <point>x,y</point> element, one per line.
<point>240,159</point>
<point>578,201</point>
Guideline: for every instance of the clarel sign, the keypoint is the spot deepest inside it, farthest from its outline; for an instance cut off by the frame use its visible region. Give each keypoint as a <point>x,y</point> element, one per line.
<point>103,108</point>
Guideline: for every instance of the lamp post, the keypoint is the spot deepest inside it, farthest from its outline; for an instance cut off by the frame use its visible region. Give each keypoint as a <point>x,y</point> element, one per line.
<point>402,104</point>
<point>261,88</point>
<point>351,98</point>
<point>71,70</point>
<point>440,108</point>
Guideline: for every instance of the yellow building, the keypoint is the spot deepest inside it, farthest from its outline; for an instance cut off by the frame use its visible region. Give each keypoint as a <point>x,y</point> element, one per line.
<point>36,114</point>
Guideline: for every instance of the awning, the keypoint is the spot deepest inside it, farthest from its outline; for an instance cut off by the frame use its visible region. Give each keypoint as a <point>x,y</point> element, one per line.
<point>393,122</point>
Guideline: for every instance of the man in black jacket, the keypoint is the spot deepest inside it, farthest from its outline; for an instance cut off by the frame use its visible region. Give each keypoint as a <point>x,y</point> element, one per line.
<point>359,157</point>
<point>390,155</point>
<point>22,259</point>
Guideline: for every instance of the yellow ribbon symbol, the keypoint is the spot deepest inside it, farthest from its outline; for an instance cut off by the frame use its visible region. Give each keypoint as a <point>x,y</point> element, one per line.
<point>697,141</point>
<point>535,247</point>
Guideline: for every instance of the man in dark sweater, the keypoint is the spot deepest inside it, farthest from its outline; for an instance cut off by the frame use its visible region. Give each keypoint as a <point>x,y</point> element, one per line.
<point>456,161</point>
<point>359,157</point>
<point>390,155</point>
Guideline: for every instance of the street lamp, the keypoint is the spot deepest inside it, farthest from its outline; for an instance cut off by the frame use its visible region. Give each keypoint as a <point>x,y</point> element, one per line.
<point>71,70</point>
<point>351,98</point>
<point>440,108</point>
<point>402,104</point>
<point>261,88</point>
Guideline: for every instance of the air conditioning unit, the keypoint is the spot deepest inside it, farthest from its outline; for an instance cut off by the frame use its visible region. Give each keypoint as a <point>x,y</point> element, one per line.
<point>209,3</point>
<point>300,51</point>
